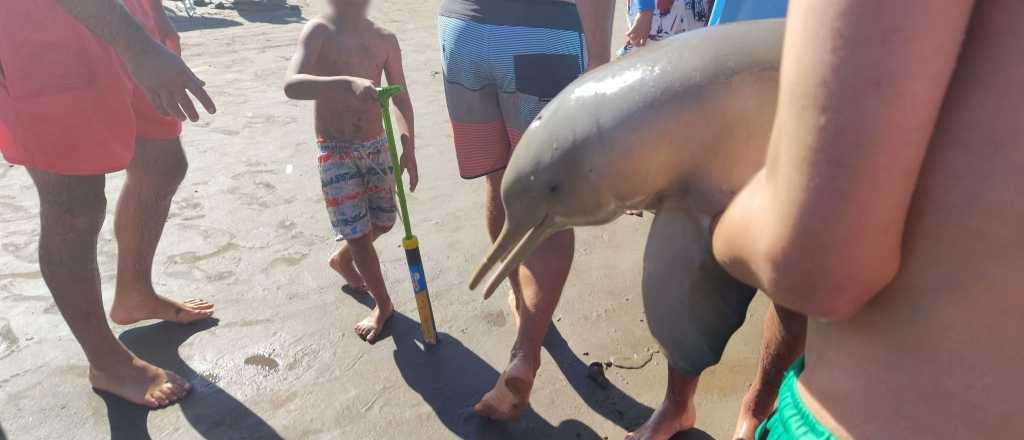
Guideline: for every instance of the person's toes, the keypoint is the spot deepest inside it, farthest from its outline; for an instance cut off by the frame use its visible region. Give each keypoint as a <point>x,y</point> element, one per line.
<point>199,304</point>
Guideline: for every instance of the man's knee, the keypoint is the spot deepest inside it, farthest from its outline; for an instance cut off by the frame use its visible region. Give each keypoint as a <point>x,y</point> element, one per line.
<point>73,206</point>
<point>160,159</point>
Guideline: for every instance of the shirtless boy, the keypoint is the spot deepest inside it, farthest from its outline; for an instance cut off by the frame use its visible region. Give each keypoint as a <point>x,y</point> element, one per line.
<point>338,63</point>
<point>889,212</point>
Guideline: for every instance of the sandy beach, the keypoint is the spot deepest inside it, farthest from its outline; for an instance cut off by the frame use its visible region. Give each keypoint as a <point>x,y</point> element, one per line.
<point>248,231</point>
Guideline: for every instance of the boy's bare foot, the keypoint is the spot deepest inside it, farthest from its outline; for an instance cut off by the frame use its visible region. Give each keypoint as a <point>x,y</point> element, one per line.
<point>668,420</point>
<point>511,395</point>
<point>370,328</point>
<point>131,309</point>
<point>348,272</point>
<point>141,383</point>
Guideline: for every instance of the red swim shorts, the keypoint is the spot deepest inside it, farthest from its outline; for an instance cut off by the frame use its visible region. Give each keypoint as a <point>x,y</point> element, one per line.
<point>67,104</point>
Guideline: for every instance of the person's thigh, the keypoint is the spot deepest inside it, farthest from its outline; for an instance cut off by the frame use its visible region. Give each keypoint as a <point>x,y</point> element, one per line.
<point>344,187</point>
<point>481,143</point>
<point>66,102</point>
<point>69,204</point>
<point>380,187</point>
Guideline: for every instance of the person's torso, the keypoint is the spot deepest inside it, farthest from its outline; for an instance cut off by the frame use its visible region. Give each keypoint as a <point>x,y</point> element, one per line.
<point>357,53</point>
<point>937,353</point>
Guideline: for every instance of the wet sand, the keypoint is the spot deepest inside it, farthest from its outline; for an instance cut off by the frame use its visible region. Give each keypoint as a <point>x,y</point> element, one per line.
<point>282,361</point>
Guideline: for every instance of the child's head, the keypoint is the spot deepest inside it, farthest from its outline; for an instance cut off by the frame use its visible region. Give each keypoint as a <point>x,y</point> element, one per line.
<point>350,7</point>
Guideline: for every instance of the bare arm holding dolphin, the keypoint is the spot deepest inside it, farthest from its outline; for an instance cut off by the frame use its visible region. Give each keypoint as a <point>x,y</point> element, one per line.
<point>304,83</point>
<point>845,152</point>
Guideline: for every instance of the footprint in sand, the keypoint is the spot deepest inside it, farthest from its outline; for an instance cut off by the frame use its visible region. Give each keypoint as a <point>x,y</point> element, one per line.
<point>187,208</point>
<point>11,211</point>
<point>8,340</point>
<point>255,191</point>
<point>494,318</point>
<point>262,361</point>
<point>22,245</point>
<point>211,256</point>
<point>288,260</point>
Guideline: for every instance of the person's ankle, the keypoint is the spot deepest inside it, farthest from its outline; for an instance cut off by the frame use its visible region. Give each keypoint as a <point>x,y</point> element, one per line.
<point>111,362</point>
<point>525,356</point>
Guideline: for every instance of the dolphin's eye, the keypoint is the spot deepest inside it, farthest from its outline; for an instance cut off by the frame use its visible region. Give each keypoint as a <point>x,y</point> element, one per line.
<point>553,188</point>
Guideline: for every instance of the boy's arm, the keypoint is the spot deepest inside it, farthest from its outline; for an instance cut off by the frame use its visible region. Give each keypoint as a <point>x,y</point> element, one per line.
<point>304,83</point>
<point>820,229</point>
<point>395,74</point>
<point>161,74</point>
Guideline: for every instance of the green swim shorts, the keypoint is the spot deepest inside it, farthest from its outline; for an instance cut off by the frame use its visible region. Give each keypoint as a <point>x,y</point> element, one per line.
<point>791,420</point>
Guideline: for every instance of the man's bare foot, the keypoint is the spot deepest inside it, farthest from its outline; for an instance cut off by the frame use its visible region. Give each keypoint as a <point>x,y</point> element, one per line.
<point>370,328</point>
<point>141,383</point>
<point>668,420</point>
<point>131,309</point>
<point>510,397</point>
<point>348,272</point>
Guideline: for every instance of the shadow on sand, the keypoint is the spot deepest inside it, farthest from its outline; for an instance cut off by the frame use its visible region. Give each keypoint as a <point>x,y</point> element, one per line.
<point>212,412</point>
<point>253,12</point>
<point>185,23</point>
<point>451,379</point>
<point>269,12</point>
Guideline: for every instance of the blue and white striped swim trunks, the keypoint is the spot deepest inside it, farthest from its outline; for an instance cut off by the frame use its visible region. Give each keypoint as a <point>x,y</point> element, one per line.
<point>503,61</point>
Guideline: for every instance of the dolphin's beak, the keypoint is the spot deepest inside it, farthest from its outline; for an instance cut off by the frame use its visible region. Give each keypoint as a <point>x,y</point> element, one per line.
<point>513,246</point>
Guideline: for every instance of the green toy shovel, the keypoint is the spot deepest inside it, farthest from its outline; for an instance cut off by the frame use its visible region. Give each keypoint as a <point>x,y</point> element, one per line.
<point>409,243</point>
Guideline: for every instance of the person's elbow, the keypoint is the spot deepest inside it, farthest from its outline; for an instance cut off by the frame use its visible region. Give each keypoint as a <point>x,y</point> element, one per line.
<point>833,287</point>
<point>291,88</point>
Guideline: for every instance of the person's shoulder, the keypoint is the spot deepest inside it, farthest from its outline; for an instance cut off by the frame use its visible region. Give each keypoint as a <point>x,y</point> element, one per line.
<point>318,27</point>
<point>384,33</point>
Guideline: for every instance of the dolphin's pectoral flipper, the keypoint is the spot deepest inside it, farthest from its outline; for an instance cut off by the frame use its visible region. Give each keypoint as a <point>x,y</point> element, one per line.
<point>693,306</point>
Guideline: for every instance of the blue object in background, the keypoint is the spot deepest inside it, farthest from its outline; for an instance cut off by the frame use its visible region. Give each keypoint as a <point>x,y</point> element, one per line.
<point>728,11</point>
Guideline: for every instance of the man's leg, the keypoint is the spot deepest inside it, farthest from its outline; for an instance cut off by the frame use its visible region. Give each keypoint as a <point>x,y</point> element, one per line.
<point>781,345</point>
<point>72,210</point>
<point>676,412</point>
<point>538,285</point>
<point>154,174</point>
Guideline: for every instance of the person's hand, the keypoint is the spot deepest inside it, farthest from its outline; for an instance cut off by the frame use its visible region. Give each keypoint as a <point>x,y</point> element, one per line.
<point>408,164</point>
<point>637,35</point>
<point>167,81</point>
<point>363,89</point>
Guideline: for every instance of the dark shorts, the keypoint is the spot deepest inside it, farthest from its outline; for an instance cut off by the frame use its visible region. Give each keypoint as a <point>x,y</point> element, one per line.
<point>503,61</point>
<point>67,104</point>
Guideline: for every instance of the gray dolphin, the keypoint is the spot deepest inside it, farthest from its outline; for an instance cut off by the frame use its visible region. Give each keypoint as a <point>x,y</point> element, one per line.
<point>676,129</point>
